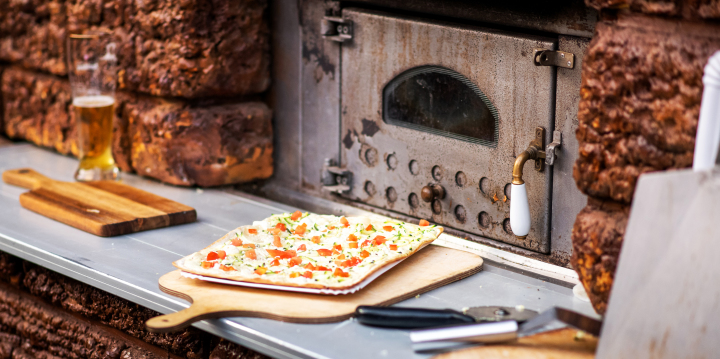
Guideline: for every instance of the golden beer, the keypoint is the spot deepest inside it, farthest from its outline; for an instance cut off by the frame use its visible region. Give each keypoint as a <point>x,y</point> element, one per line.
<point>94,116</point>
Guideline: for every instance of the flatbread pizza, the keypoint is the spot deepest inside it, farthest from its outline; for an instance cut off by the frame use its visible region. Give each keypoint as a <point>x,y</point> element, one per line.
<point>309,250</point>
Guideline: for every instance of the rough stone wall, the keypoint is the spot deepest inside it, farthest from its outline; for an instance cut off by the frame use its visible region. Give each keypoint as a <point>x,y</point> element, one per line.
<point>640,100</point>
<point>47,315</point>
<point>167,139</point>
<point>189,49</point>
<point>687,9</point>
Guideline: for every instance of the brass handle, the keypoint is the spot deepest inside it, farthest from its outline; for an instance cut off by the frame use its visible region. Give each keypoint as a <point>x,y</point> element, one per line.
<point>432,191</point>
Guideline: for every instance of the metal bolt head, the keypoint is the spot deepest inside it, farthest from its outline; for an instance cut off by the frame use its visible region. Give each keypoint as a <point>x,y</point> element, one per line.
<point>562,55</point>
<point>345,30</point>
<point>501,312</point>
<point>339,29</point>
<point>569,63</point>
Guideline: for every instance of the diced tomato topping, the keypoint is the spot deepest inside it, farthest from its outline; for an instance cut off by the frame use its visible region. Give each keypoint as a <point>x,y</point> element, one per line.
<point>281,254</point>
<point>302,247</point>
<point>300,230</point>
<point>274,231</point>
<point>261,270</point>
<point>294,275</point>
<point>276,241</point>
<point>290,253</point>
<point>275,262</point>
<point>296,215</point>
<point>379,240</point>
<point>249,245</point>
<point>237,242</point>
<point>365,243</point>
<point>338,247</point>
<point>339,263</point>
<point>364,254</point>
<point>324,252</point>
<point>307,274</point>
<point>369,227</point>
<point>352,238</point>
<point>339,273</point>
<point>424,223</point>
<point>221,254</point>
<point>388,228</point>
<point>212,256</point>
<point>207,265</point>
<point>335,251</point>
<point>352,245</point>
<point>344,221</point>
<point>227,268</point>
<point>354,261</point>
<point>316,239</point>
<point>393,247</point>
<point>331,227</point>
<point>309,266</point>
<point>252,231</point>
<point>251,254</point>
<point>294,261</point>
<point>342,256</point>
<point>322,268</point>
<point>281,226</point>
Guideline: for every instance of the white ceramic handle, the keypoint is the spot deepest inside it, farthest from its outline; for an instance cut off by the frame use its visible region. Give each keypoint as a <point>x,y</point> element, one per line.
<point>519,210</point>
<point>708,132</point>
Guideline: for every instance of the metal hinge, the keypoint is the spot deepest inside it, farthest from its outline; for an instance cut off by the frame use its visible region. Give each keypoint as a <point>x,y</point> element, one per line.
<point>336,28</point>
<point>544,57</point>
<point>334,178</point>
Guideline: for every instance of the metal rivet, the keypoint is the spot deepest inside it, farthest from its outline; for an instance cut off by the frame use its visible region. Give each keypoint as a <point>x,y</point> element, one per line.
<point>484,220</point>
<point>460,179</point>
<point>569,63</point>
<point>414,167</point>
<point>391,194</point>
<point>562,55</point>
<point>371,156</point>
<point>413,200</point>
<point>460,214</point>
<point>506,226</point>
<point>508,190</point>
<point>370,188</point>
<point>392,162</point>
<point>437,173</point>
<point>484,185</point>
<point>339,29</point>
<point>436,206</point>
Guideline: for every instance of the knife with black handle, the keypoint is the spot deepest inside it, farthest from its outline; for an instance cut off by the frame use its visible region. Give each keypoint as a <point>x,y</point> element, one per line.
<point>414,318</point>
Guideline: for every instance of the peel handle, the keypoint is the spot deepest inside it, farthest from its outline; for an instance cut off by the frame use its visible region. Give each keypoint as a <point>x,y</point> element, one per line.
<point>398,317</point>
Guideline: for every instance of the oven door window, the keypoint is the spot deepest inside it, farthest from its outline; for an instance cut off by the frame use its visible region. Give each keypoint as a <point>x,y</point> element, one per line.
<point>441,101</point>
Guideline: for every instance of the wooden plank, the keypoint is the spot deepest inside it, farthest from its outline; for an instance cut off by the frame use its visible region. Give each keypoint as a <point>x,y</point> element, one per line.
<point>104,208</point>
<point>430,268</point>
<point>564,343</point>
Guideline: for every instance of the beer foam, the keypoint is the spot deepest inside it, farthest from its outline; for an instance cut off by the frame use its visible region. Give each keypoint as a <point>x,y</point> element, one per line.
<point>93,101</point>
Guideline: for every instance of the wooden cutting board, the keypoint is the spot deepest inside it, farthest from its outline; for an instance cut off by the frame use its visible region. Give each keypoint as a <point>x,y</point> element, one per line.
<point>564,343</point>
<point>103,208</point>
<point>429,268</point>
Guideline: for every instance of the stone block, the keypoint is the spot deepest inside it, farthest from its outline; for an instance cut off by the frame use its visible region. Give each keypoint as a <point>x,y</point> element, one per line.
<point>640,100</point>
<point>597,238</point>
<point>188,49</point>
<point>170,140</point>
<point>687,9</point>
<point>186,146</point>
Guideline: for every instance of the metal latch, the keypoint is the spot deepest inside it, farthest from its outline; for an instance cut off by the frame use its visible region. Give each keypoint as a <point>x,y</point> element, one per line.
<point>551,150</point>
<point>336,28</point>
<point>334,178</point>
<point>544,57</point>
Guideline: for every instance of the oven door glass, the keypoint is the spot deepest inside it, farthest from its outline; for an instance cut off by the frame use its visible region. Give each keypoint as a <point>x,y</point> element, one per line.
<point>441,101</point>
<point>427,103</point>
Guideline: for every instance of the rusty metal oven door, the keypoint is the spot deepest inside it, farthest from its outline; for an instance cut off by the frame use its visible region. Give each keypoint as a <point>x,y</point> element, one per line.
<point>427,104</point>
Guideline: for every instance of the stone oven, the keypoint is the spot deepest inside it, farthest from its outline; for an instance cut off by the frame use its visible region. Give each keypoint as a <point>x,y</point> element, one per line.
<point>317,103</point>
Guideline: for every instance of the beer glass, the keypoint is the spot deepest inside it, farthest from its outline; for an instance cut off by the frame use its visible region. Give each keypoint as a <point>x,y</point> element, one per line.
<point>93,75</point>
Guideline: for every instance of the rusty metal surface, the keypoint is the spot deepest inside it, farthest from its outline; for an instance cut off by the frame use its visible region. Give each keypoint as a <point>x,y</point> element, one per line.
<point>320,98</point>
<point>500,63</point>
<point>284,96</point>
<point>567,17</point>
<point>567,199</point>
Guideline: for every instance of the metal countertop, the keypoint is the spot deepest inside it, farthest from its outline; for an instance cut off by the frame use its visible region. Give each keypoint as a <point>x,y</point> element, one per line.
<point>129,266</point>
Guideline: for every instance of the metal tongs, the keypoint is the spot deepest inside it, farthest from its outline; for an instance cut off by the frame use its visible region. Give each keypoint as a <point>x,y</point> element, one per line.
<point>456,337</point>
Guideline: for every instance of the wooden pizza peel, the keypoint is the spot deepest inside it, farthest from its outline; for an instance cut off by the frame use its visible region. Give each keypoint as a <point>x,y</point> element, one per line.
<point>103,208</point>
<point>430,268</point>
